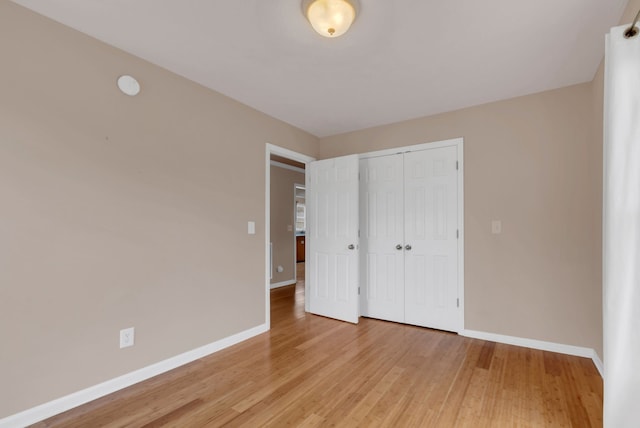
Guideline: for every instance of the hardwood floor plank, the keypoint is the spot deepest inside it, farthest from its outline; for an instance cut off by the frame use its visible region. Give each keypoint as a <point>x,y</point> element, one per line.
<point>276,380</point>
<point>311,421</point>
<point>471,406</point>
<point>362,410</point>
<point>489,411</point>
<point>303,399</point>
<point>452,404</point>
<point>573,397</point>
<point>486,355</point>
<point>174,414</point>
<point>310,371</point>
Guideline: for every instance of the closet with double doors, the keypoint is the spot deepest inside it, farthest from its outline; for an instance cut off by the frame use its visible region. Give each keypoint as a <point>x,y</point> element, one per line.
<point>409,238</point>
<point>383,236</point>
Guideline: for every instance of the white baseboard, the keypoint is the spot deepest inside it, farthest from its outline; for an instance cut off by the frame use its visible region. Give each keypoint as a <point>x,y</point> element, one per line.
<point>283,283</point>
<point>577,351</point>
<point>52,408</point>
<point>598,362</point>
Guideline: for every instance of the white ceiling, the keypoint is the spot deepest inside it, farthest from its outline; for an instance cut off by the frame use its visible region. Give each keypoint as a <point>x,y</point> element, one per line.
<point>401,59</point>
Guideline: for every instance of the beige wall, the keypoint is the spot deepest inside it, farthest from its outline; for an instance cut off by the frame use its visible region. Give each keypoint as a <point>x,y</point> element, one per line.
<point>528,163</point>
<point>119,212</point>
<point>282,216</point>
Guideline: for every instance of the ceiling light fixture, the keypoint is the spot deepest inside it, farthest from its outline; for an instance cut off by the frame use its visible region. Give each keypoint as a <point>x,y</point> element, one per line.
<point>330,18</point>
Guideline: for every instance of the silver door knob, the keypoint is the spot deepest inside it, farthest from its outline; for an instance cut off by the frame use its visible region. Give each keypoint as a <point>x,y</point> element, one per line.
<point>351,247</point>
<point>407,247</point>
<point>398,247</point>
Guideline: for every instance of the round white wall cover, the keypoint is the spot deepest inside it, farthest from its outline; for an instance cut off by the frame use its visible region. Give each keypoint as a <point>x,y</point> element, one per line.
<point>129,85</point>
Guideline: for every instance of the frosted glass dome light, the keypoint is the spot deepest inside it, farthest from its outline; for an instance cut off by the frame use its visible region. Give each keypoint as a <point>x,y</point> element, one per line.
<point>330,18</point>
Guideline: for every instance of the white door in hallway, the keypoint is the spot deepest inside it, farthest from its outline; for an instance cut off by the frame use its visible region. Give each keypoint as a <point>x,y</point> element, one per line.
<point>431,238</point>
<point>332,237</point>
<point>382,238</point>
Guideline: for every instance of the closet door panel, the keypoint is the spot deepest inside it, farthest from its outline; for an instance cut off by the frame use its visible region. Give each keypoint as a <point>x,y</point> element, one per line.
<point>431,283</point>
<point>382,230</point>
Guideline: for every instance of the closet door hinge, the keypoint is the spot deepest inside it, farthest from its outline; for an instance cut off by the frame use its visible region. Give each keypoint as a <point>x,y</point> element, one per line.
<point>457,233</point>
<point>358,291</point>
<point>457,166</point>
<point>458,302</point>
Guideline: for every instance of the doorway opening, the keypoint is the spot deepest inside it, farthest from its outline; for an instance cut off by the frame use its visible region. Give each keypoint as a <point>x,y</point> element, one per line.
<point>285,223</point>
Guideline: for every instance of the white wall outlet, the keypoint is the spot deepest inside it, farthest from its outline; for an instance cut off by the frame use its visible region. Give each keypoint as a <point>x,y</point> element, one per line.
<point>280,269</point>
<point>251,228</point>
<point>496,227</point>
<point>127,337</point>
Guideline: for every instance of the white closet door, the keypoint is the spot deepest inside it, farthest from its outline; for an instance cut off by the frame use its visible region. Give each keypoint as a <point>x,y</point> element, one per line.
<point>431,271</point>
<point>381,232</point>
<point>332,236</point>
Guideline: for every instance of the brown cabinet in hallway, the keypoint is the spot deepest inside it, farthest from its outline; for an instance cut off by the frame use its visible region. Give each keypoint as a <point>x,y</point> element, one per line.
<point>299,249</point>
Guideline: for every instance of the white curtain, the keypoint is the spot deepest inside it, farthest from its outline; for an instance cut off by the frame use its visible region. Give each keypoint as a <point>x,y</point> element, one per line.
<point>622,231</point>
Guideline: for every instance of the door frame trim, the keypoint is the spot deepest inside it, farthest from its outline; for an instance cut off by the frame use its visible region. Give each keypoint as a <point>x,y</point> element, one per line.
<point>297,186</point>
<point>272,149</point>
<point>458,143</point>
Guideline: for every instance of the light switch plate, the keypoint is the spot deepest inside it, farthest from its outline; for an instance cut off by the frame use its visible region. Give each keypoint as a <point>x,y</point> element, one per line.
<point>127,337</point>
<point>289,228</point>
<point>251,228</point>
<point>496,227</point>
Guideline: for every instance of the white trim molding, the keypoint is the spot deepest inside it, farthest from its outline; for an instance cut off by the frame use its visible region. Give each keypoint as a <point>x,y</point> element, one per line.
<point>283,283</point>
<point>52,408</point>
<point>422,146</point>
<point>286,166</point>
<point>577,351</point>
<point>598,362</point>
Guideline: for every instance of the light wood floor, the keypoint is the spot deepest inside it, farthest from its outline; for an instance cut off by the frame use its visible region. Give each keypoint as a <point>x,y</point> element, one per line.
<point>311,371</point>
